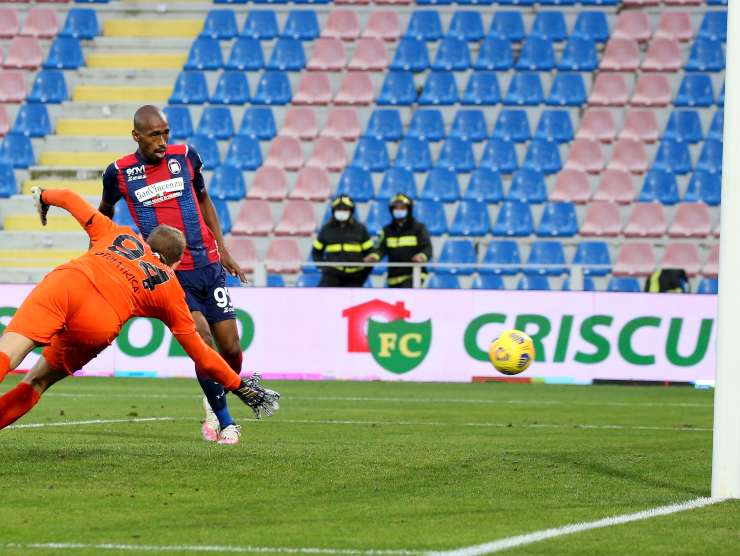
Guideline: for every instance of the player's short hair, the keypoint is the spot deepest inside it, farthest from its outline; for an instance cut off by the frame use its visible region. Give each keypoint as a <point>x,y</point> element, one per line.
<point>168,242</point>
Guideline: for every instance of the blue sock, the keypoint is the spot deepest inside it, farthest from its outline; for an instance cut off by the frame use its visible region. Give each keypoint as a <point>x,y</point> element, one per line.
<point>216,396</point>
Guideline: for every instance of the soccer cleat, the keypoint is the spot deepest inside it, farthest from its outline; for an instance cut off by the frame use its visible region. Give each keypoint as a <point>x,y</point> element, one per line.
<point>258,398</point>
<point>210,428</point>
<point>41,207</point>
<point>230,435</point>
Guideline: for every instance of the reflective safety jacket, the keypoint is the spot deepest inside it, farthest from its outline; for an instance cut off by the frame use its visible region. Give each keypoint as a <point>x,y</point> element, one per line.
<point>400,242</point>
<point>342,242</point>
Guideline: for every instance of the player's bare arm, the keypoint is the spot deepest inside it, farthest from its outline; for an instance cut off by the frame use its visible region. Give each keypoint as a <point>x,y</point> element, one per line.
<point>211,219</point>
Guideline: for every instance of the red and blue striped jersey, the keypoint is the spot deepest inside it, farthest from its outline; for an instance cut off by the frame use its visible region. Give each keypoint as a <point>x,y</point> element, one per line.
<point>165,193</point>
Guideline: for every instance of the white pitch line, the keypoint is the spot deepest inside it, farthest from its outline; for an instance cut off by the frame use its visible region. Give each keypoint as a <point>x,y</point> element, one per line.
<point>537,536</point>
<point>90,422</point>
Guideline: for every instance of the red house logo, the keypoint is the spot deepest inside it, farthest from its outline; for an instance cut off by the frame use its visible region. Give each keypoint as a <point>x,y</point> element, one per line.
<point>359,315</point>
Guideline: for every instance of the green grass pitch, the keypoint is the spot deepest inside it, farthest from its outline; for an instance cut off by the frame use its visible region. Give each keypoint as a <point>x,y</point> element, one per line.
<point>364,466</point>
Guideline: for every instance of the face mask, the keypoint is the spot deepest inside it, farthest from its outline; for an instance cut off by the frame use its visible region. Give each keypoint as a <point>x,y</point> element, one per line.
<point>342,215</point>
<point>400,214</point>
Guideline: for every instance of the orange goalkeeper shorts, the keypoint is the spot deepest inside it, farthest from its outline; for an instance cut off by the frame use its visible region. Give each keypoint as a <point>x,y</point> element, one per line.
<point>68,315</point>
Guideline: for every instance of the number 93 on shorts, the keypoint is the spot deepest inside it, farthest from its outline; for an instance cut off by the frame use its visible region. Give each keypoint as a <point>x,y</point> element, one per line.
<point>205,291</point>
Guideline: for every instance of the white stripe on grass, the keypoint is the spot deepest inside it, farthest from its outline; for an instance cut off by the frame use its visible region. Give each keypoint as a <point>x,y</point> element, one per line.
<point>210,548</point>
<point>89,422</point>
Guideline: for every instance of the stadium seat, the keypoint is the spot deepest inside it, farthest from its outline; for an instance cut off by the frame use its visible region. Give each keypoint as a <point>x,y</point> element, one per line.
<point>609,90</point>
<point>558,220</point>
<point>646,220</point>
<point>432,214</point>
<point>413,154</point>
<point>546,258</point>
<point>41,23</point>
<point>227,183</point>
<point>370,55</point>
<point>398,89</point>
<point>585,155</point>
<point>713,26</point>
<point>12,86</point>
<point>452,55</point>
<point>571,185</point>
<point>9,23</point>
<point>246,55</point>
<point>482,89</point>
<point>439,281</point>
<point>659,186</point>
<point>285,153</point>
<point>8,185</point>
<point>549,25</point>
<point>261,25</point>
<point>708,286</point>
<point>588,285</point>
<point>716,127</point>
<point>499,155</point>
<point>269,184</point>
<point>215,122</point>
<point>629,155</point>
<point>32,120</point>
<point>673,156</point>
<point>494,54</point>
<point>484,186</point>
<point>328,154</point>
<point>634,259</point>
<point>597,125</point>
<point>342,123</point>
<point>504,252</point>
<point>512,124</point>
<point>301,25</point>
<point>524,89</point>
<point>378,216</point>
<point>721,97</point>
<point>122,216</point>
<point>244,252</point>
<point>411,55</point>
<point>4,121</point>
<point>602,219</point>
<point>81,23</point>
<point>591,25</point>
<point>424,25</point>
<point>684,256</point>
<point>674,25</point>
<point>439,89</point>
<point>695,90</point>
<point>533,283</point>
<point>554,125</point>
<point>691,220</point>
<point>537,54</point>
<point>273,88</point>
<point>357,183</point>
<point>684,125</point>
<point>371,155</point>
<point>356,88</point>
<point>310,280</point>
<point>298,218</point>
<point>469,125</point>
<point>258,123</point>
<point>385,124</point>
<point>311,184</point>
<point>17,150</point>
<point>706,55</point>
<point>48,87</point>
<point>205,54</point>
<point>64,53</point>
<point>514,220</point>
<point>710,158</point>
<point>593,253</point>
<point>615,186</point>
<point>341,24</point>
<point>190,88</point>
<point>528,186</point>
<point>313,89</point>
<point>620,54</point>
<point>471,219</point>
<point>466,25</point>
<point>244,153</point>
<point>704,187</point>
<point>384,25</point>
<point>181,124</point>
<point>287,55</point>
<point>459,251</point>
<point>222,211</point>
<point>640,125</point>
<point>567,90</point>
<point>441,185</point>
<point>633,24</point>
<point>579,54</point>
<point>456,155</point>
<point>220,24</point>
<point>508,25</point>
<point>283,256</point>
<point>623,284</point>
<point>663,55</point>
<point>711,267</point>
<point>652,89</point>
<point>300,122</point>
<point>543,156</point>
<point>488,282</point>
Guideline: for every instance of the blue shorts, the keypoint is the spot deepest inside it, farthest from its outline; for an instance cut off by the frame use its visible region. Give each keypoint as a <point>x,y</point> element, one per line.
<point>205,291</point>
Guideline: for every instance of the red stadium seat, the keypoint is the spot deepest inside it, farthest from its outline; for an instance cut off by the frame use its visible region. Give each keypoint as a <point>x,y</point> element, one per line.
<point>683,2</point>
<point>711,267</point>
<point>24,53</point>
<point>640,3</point>
<point>621,55</point>
<point>383,25</point>
<point>585,155</point>
<point>663,55</point>
<point>9,24</point>
<point>370,55</point>
<point>328,154</point>
<point>682,255</point>
<point>314,89</point>
<point>12,86</point>
<point>285,153</point>
<point>356,89</point>
<point>674,25</point>
<point>41,22</point>
<point>312,184</point>
<point>342,24</point>
<point>640,125</point>
<point>629,155</point>
<point>571,185</point>
<point>254,219</point>
<point>633,25</point>
<point>394,2</point>
<point>354,2</point>
<point>244,252</point>
<point>597,125</point>
<point>300,122</point>
<point>635,259</point>
<point>269,183</point>
<point>602,219</point>
<point>283,256</point>
<point>652,89</point>
<point>298,219</point>
<point>342,123</point>
<point>646,220</point>
<point>609,89</point>
<point>327,55</point>
<point>615,186</point>
<point>4,121</point>
<point>691,220</point>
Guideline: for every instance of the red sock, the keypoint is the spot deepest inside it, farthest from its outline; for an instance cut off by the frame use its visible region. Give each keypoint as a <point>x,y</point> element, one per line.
<point>4,365</point>
<point>234,361</point>
<point>15,403</point>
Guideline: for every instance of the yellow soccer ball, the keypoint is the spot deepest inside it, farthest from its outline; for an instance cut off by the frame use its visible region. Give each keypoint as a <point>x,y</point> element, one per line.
<point>512,352</point>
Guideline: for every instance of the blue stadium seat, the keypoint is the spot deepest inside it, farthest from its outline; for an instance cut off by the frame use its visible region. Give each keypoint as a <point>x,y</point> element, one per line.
<point>471,219</point>
<point>33,120</point>
<point>216,122</point>
<point>499,155</point>
<point>244,153</point>
<point>441,185</point>
<point>502,252</point>
<point>287,55</point>
<point>246,55</point>
<point>524,89</point>
<point>413,154</point>
<point>81,23</point>
<point>457,251</point>
<point>673,156</point>
<point>18,150</point>
<point>384,124</point>
<point>439,281</point>
<point>546,253</point>
<point>537,54</point>
<point>579,54</point>
<point>527,186</point>
<point>716,128</point>
<point>591,25</point>
<point>122,216</point>
<point>457,155</point>
<point>49,87</point>
<point>466,25</point>
<point>482,89</point>
<point>469,125</point>
<point>588,284</point>
<point>207,149</point>
<point>427,123</point>
<point>710,158</point>
<point>549,25</point>
<point>542,155</point>
<point>507,25</point>
<point>275,281</point>
<point>227,183</point>
<point>514,220</point>
<point>623,284</point>
<point>494,53</point>
<point>261,25</point>
<point>683,125</point>
<point>302,25</point>
<point>554,125</point>
<point>558,220</point>
<point>273,89</point>
<point>411,55</point>
<point>258,123</point>
<point>432,214</point>
<point>357,183</point>
<point>721,97</point>
<point>533,283</point>
<point>695,90</point>
<point>659,186</point>
<point>310,280</point>
<point>181,124</point>
<point>439,89</point>
<point>378,216</point>
<point>704,187</point>
<point>220,24</point>
<point>708,286</point>
<point>190,88</point>
<point>488,282</point>
<point>371,155</point>
<point>485,186</point>
<point>64,53</point>
<point>706,55</point>
<point>222,210</point>
<point>8,185</point>
<point>567,90</point>
<point>205,54</point>
<point>231,88</point>
<point>424,25</point>
<point>717,2</point>
<point>600,2</point>
<point>398,89</point>
<point>453,54</point>
<point>593,253</point>
<point>512,124</point>
<point>713,26</point>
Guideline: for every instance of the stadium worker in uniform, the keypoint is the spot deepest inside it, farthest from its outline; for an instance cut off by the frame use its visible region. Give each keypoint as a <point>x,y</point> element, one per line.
<point>163,184</point>
<point>79,308</point>
<point>342,239</point>
<point>404,240</point>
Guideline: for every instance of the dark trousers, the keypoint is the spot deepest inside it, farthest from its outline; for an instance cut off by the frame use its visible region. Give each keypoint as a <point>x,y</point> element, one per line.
<point>408,283</point>
<point>332,280</point>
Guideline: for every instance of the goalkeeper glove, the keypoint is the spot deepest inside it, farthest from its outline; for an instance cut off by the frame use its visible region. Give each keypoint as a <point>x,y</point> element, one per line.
<point>258,398</point>
<point>41,207</point>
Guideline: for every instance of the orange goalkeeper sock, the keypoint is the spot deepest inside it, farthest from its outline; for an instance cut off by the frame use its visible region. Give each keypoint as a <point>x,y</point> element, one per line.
<point>15,403</point>
<point>4,365</point>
